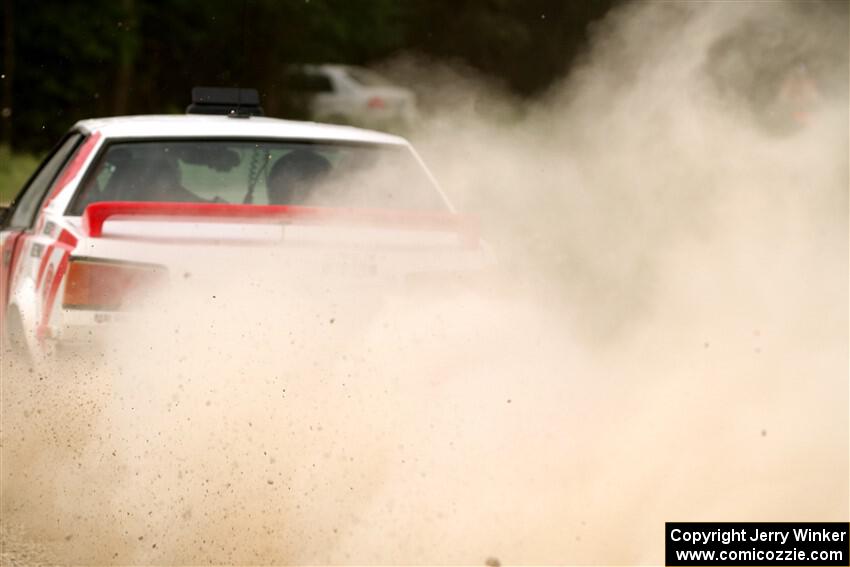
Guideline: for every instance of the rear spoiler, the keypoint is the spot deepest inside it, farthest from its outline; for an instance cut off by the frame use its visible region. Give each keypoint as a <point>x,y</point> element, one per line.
<point>97,214</point>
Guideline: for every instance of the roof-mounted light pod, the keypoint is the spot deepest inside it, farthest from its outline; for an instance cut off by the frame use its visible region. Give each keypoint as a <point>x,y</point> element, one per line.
<point>225,101</point>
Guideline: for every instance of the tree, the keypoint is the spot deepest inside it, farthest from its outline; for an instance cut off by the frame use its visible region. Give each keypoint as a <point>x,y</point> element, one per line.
<point>76,60</point>
<point>8,74</point>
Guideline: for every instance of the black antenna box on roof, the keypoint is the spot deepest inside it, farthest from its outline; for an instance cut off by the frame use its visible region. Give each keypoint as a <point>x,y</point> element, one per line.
<point>228,101</point>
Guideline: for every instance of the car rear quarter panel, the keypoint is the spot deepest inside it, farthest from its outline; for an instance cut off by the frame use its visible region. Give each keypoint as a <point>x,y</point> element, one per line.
<point>40,254</point>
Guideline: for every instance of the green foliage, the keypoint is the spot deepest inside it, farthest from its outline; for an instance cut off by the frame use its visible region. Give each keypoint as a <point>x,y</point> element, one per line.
<point>15,169</point>
<point>528,43</point>
<point>62,51</point>
<point>100,57</point>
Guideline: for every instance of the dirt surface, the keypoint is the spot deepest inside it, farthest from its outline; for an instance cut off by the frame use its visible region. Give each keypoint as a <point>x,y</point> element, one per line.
<point>19,550</point>
<point>667,339</point>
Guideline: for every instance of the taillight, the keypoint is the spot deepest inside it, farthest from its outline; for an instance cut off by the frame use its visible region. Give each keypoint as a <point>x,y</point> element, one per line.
<point>376,102</point>
<point>105,285</point>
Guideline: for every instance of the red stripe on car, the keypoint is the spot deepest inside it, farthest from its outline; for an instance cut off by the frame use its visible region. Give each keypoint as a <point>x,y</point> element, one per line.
<point>65,240</point>
<point>73,168</point>
<point>45,260</point>
<point>41,332</point>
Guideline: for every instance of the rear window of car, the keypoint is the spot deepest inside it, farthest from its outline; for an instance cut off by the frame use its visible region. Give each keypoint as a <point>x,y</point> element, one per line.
<point>327,174</point>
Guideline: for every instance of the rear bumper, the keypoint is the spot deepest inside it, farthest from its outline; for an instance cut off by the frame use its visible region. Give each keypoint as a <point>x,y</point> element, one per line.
<point>84,329</point>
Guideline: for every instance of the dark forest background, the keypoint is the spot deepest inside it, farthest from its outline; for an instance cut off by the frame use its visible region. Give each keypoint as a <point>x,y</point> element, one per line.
<point>66,60</point>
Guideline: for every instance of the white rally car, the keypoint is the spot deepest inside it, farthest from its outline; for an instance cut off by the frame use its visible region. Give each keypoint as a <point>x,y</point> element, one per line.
<point>121,203</point>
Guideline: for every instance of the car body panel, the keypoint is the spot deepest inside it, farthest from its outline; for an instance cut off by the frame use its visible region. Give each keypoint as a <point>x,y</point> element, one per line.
<point>36,260</point>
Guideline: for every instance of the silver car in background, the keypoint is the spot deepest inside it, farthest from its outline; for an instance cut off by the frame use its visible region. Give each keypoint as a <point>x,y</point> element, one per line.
<point>345,94</point>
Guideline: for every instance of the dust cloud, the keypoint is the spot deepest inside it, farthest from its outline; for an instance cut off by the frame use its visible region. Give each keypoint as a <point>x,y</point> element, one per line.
<point>665,339</point>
